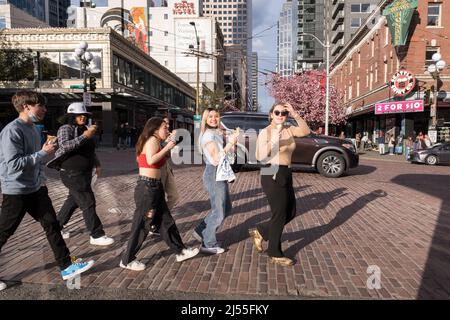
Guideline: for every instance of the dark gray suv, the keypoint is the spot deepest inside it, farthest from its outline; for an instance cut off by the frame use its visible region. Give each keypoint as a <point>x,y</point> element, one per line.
<point>331,156</point>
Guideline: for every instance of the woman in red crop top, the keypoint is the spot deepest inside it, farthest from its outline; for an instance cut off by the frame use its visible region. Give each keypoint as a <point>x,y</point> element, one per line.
<point>149,195</point>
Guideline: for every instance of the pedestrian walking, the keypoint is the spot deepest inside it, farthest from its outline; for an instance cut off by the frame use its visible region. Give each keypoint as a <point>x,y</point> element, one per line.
<point>77,163</point>
<point>342,135</point>
<point>409,147</point>
<point>381,143</point>
<point>211,144</point>
<point>167,180</point>
<point>391,145</point>
<point>275,146</point>
<point>122,137</point>
<point>150,198</point>
<point>22,179</point>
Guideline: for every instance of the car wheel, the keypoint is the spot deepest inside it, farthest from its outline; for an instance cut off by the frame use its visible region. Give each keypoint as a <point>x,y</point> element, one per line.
<point>331,164</point>
<point>431,160</point>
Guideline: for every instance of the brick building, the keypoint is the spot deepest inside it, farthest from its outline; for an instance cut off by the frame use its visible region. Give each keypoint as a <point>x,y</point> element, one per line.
<point>364,68</point>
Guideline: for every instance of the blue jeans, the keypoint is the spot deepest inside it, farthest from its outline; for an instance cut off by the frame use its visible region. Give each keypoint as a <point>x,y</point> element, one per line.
<point>219,196</point>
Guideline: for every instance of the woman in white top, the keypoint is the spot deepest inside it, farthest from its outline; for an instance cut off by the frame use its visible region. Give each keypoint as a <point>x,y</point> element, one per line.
<point>211,143</point>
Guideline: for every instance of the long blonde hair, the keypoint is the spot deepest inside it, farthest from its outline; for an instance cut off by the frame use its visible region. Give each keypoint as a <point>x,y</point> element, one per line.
<point>204,126</point>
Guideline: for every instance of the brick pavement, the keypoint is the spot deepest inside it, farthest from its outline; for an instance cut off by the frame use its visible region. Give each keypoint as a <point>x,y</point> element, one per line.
<point>343,226</point>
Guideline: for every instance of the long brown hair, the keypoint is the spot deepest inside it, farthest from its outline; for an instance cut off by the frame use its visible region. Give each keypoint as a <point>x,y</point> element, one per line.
<point>152,125</point>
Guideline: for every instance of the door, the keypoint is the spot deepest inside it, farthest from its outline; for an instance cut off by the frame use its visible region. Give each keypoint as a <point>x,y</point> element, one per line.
<point>444,154</point>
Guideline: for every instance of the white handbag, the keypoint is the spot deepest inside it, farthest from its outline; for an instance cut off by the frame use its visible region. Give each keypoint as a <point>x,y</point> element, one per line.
<point>224,171</point>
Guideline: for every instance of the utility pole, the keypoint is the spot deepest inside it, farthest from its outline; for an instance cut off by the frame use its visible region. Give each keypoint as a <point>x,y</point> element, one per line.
<point>197,103</point>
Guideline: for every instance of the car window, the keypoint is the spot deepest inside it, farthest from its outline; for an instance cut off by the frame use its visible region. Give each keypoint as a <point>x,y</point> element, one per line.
<point>447,146</point>
<point>232,122</point>
<point>257,123</point>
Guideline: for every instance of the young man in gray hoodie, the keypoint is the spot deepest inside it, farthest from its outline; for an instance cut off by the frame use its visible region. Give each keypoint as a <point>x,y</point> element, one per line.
<point>23,181</point>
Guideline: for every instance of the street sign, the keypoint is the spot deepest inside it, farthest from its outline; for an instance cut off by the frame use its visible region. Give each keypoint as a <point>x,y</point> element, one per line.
<point>87,98</point>
<point>432,134</point>
<point>76,86</point>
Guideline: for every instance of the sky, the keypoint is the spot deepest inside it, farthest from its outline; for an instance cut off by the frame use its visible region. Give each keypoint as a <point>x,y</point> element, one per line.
<point>265,15</point>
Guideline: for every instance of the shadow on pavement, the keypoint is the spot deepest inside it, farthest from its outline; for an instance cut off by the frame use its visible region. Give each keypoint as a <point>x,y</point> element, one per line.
<point>308,236</point>
<point>436,276</point>
<point>361,170</point>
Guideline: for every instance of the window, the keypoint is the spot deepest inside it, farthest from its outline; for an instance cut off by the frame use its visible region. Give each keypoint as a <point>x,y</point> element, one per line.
<point>429,54</point>
<point>434,14</point>
<point>356,23</point>
<point>360,8</point>
<point>166,33</point>
<point>166,16</point>
<point>166,63</point>
<point>150,33</point>
<point>2,23</point>
<point>166,48</point>
<point>49,65</point>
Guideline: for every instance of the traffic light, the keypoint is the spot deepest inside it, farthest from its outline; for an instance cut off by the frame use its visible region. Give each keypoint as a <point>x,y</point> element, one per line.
<point>92,84</point>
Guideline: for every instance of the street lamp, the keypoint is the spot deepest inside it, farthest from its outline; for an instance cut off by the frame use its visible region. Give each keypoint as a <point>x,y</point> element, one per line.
<point>85,58</point>
<point>192,23</point>
<point>327,95</point>
<point>434,70</point>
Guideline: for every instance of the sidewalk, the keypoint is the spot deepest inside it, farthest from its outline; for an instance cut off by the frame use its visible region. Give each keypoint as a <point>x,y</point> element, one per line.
<point>375,155</point>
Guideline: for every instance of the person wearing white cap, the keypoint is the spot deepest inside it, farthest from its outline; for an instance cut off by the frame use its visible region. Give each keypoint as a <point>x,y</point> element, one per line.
<point>76,160</point>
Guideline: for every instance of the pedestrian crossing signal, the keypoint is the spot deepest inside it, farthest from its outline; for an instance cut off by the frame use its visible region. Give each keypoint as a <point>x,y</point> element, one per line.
<point>92,83</point>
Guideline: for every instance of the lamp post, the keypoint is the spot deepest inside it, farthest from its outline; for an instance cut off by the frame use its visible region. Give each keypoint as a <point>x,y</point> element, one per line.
<point>434,69</point>
<point>197,103</point>
<point>85,58</point>
<point>327,94</point>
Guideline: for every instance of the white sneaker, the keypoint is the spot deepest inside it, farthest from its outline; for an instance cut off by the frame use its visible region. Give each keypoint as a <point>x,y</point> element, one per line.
<point>2,286</point>
<point>133,265</point>
<point>187,254</point>
<point>213,250</point>
<point>65,234</point>
<point>102,241</point>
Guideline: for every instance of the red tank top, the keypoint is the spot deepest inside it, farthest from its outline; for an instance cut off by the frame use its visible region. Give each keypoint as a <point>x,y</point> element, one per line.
<point>142,161</point>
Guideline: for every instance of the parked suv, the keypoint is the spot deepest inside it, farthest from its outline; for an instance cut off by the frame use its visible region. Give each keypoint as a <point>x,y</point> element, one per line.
<point>331,156</point>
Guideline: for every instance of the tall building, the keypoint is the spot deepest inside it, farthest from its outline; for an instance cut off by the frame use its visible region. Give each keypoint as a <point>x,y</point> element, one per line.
<point>13,17</point>
<point>52,12</point>
<point>166,34</point>
<point>310,54</point>
<point>287,39</point>
<point>343,19</point>
<point>235,20</point>
<point>255,81</point>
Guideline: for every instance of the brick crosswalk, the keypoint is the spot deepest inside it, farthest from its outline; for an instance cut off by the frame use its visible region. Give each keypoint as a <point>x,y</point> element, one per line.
<point>388,215</point>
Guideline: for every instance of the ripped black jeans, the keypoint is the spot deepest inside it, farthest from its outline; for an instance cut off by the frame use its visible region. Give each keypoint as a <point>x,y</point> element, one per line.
<point>151,208</point>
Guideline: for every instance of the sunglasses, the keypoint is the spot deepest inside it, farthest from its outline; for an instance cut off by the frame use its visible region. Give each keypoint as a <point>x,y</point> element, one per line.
<point>283,113</point>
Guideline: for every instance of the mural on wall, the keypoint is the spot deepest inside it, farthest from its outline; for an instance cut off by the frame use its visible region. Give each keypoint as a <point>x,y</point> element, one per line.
<point>132,24</point>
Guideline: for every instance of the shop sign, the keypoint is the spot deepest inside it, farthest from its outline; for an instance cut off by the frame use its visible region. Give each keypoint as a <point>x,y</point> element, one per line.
<point>399,107</point>
<point>399,15</point>
<point>402,83</point>
<point>183,8</point>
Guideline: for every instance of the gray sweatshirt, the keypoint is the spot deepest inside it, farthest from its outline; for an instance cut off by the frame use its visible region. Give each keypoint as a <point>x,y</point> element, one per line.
<point>21,159</point>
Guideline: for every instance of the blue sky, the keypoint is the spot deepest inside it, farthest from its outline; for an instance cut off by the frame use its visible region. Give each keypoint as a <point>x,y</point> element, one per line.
<point>265,14</point>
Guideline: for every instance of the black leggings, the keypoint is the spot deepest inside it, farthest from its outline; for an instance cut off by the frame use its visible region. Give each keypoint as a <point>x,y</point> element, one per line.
<point>281,197</point>
<point>150,197</point>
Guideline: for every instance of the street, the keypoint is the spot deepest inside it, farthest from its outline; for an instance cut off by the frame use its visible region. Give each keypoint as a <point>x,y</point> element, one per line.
<point>385,217</point>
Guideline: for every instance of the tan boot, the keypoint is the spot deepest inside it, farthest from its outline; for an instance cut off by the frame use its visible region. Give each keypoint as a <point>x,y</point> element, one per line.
<point>257,239</point>
<point>282,261</point>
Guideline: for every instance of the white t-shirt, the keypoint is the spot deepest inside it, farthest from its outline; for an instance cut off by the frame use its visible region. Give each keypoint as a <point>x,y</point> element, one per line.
<point>208,136</point>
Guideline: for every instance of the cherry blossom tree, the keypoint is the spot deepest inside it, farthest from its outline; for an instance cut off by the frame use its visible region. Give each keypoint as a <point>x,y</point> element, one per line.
<point>306,92</point>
